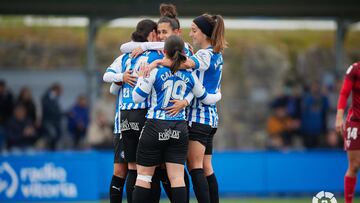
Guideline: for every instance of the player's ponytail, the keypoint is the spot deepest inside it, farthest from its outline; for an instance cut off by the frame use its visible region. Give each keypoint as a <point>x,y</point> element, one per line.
<point>174,47</point>
<point>178,58</point>
<point>218,35</point>
<point>168,14</point>
<point>143,29</point>
<point>214,28</point>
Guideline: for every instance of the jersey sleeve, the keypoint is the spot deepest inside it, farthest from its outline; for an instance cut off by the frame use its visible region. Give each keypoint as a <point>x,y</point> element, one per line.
<point>114,89</point>
<point>113,72</point>
<point>201,59</point>
<point>143,87</point>
<point>152,46</point>
<point>199,91</point>
<point>347,86</point>
<point>128,47</point>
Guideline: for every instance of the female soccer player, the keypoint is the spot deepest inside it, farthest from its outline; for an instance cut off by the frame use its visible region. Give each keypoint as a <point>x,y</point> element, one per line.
<point>132,115</point>
<point>164,137</point>
<point>350,129</point>
<point>168,25</point>
<point>207,33</point>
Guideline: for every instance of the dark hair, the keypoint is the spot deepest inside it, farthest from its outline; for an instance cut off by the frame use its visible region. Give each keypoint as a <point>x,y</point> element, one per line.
<point>168,14</point>
<point>174,47</point>
<point>143,29</point>
<point>214,28</point>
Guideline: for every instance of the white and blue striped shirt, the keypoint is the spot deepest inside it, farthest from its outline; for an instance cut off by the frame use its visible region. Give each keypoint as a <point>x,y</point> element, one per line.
<point>133,64</point>
<point>162,86</point>
<point>208,68</point>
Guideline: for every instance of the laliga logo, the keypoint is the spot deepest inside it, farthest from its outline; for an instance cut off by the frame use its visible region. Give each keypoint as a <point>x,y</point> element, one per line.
<point>324,197</point>
<point>10,190</point>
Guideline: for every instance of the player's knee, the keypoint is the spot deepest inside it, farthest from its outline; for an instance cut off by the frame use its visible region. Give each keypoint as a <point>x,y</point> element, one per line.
<point>195,161</point>
<point>208,169</point>
<point>177,180</point>
<point>120,171</point>
<point>354,165</point>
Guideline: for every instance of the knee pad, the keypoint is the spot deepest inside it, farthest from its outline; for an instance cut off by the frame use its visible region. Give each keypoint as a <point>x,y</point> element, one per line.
<point>144,178</point>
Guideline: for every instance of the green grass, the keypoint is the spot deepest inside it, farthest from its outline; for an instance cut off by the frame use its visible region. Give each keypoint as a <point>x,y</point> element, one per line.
<point>263,200</point>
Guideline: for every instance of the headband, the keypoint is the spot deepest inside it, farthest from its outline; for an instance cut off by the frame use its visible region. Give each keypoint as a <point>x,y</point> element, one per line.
<point>204,25</point>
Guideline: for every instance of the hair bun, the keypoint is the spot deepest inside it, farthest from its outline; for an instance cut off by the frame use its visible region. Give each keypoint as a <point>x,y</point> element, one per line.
<point>168,10</point>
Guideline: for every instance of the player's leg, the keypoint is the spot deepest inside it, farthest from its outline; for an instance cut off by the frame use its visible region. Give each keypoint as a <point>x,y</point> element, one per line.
<point>120,171</point>
<point>176,176</point>
<point>198,136</point>
<point>209,171</point>
<point>148,156</point>
<point>351,175</point>
<point>142,189</point>
<point>211,179</point>
<point>175,157</point>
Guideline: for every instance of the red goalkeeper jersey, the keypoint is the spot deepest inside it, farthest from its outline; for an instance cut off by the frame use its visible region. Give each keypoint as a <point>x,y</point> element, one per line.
<point>351,85</point>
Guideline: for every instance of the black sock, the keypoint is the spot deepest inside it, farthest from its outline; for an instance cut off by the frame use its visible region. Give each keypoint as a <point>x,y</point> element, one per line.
<point>130,183</point>
<point>178,194</point>
<point>200,185</point>
<point>187,185</point>
<point>116,189</point>
<point>155,186</point>
<point>141,194</point>
<point>165,182</point>
<point>213,188</point>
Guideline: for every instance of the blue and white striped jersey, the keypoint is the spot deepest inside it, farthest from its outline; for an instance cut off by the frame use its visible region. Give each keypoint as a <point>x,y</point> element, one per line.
<point>208,68</point>
<point>126,63</point>
<point>162,86</point>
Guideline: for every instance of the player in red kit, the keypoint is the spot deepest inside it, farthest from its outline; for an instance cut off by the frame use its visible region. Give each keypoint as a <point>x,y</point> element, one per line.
<point>351,129</point>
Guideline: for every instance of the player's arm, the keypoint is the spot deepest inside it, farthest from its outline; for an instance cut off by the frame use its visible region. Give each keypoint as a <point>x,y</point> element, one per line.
<point>199,61</point>
<point>343,97</point>
<point>200,92</point>
<point>113,72</point>
<point>114,88</point>
<point>143,86</point>
<point>128,47</point>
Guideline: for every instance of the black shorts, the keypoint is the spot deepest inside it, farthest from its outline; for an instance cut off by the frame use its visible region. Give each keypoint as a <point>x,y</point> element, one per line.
<point>118,149</point>
<point>132,122</point>
<point>203,134</point>
<point>163,141</point>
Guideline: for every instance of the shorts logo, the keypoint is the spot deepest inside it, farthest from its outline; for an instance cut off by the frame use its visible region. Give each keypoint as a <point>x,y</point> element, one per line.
<point>122,154</point>
<point>324,197</point>
<point>126,125</point>
<point>168,133</point>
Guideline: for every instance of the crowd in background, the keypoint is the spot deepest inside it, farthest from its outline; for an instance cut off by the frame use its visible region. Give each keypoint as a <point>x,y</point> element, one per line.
<point>23,128</point>
<point>300,117</point>
<point>303,116</point>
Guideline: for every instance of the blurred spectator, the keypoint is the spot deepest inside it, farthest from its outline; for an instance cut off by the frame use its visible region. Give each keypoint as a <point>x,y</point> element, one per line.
<point>278,126</point>
<point>6,110</point>
<point>51,115</point>
<point>100,132</point>
<point>20,131</point>
<point>25,99</point>
<point>78,120</point>
<point>313,117</point>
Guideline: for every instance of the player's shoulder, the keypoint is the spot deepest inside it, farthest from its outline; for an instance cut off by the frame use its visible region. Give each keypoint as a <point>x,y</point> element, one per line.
<point>353,68</point>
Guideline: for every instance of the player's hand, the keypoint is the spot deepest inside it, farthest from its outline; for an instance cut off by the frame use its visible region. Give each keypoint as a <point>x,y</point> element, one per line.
<point>339,126</point>
<point>129,78</point>
<point>144,70</point>
<point>177,106</point>
<point>136,52</point>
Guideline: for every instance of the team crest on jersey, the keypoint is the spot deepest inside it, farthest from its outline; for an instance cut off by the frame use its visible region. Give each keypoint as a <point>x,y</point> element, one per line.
<point>168,133</point>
